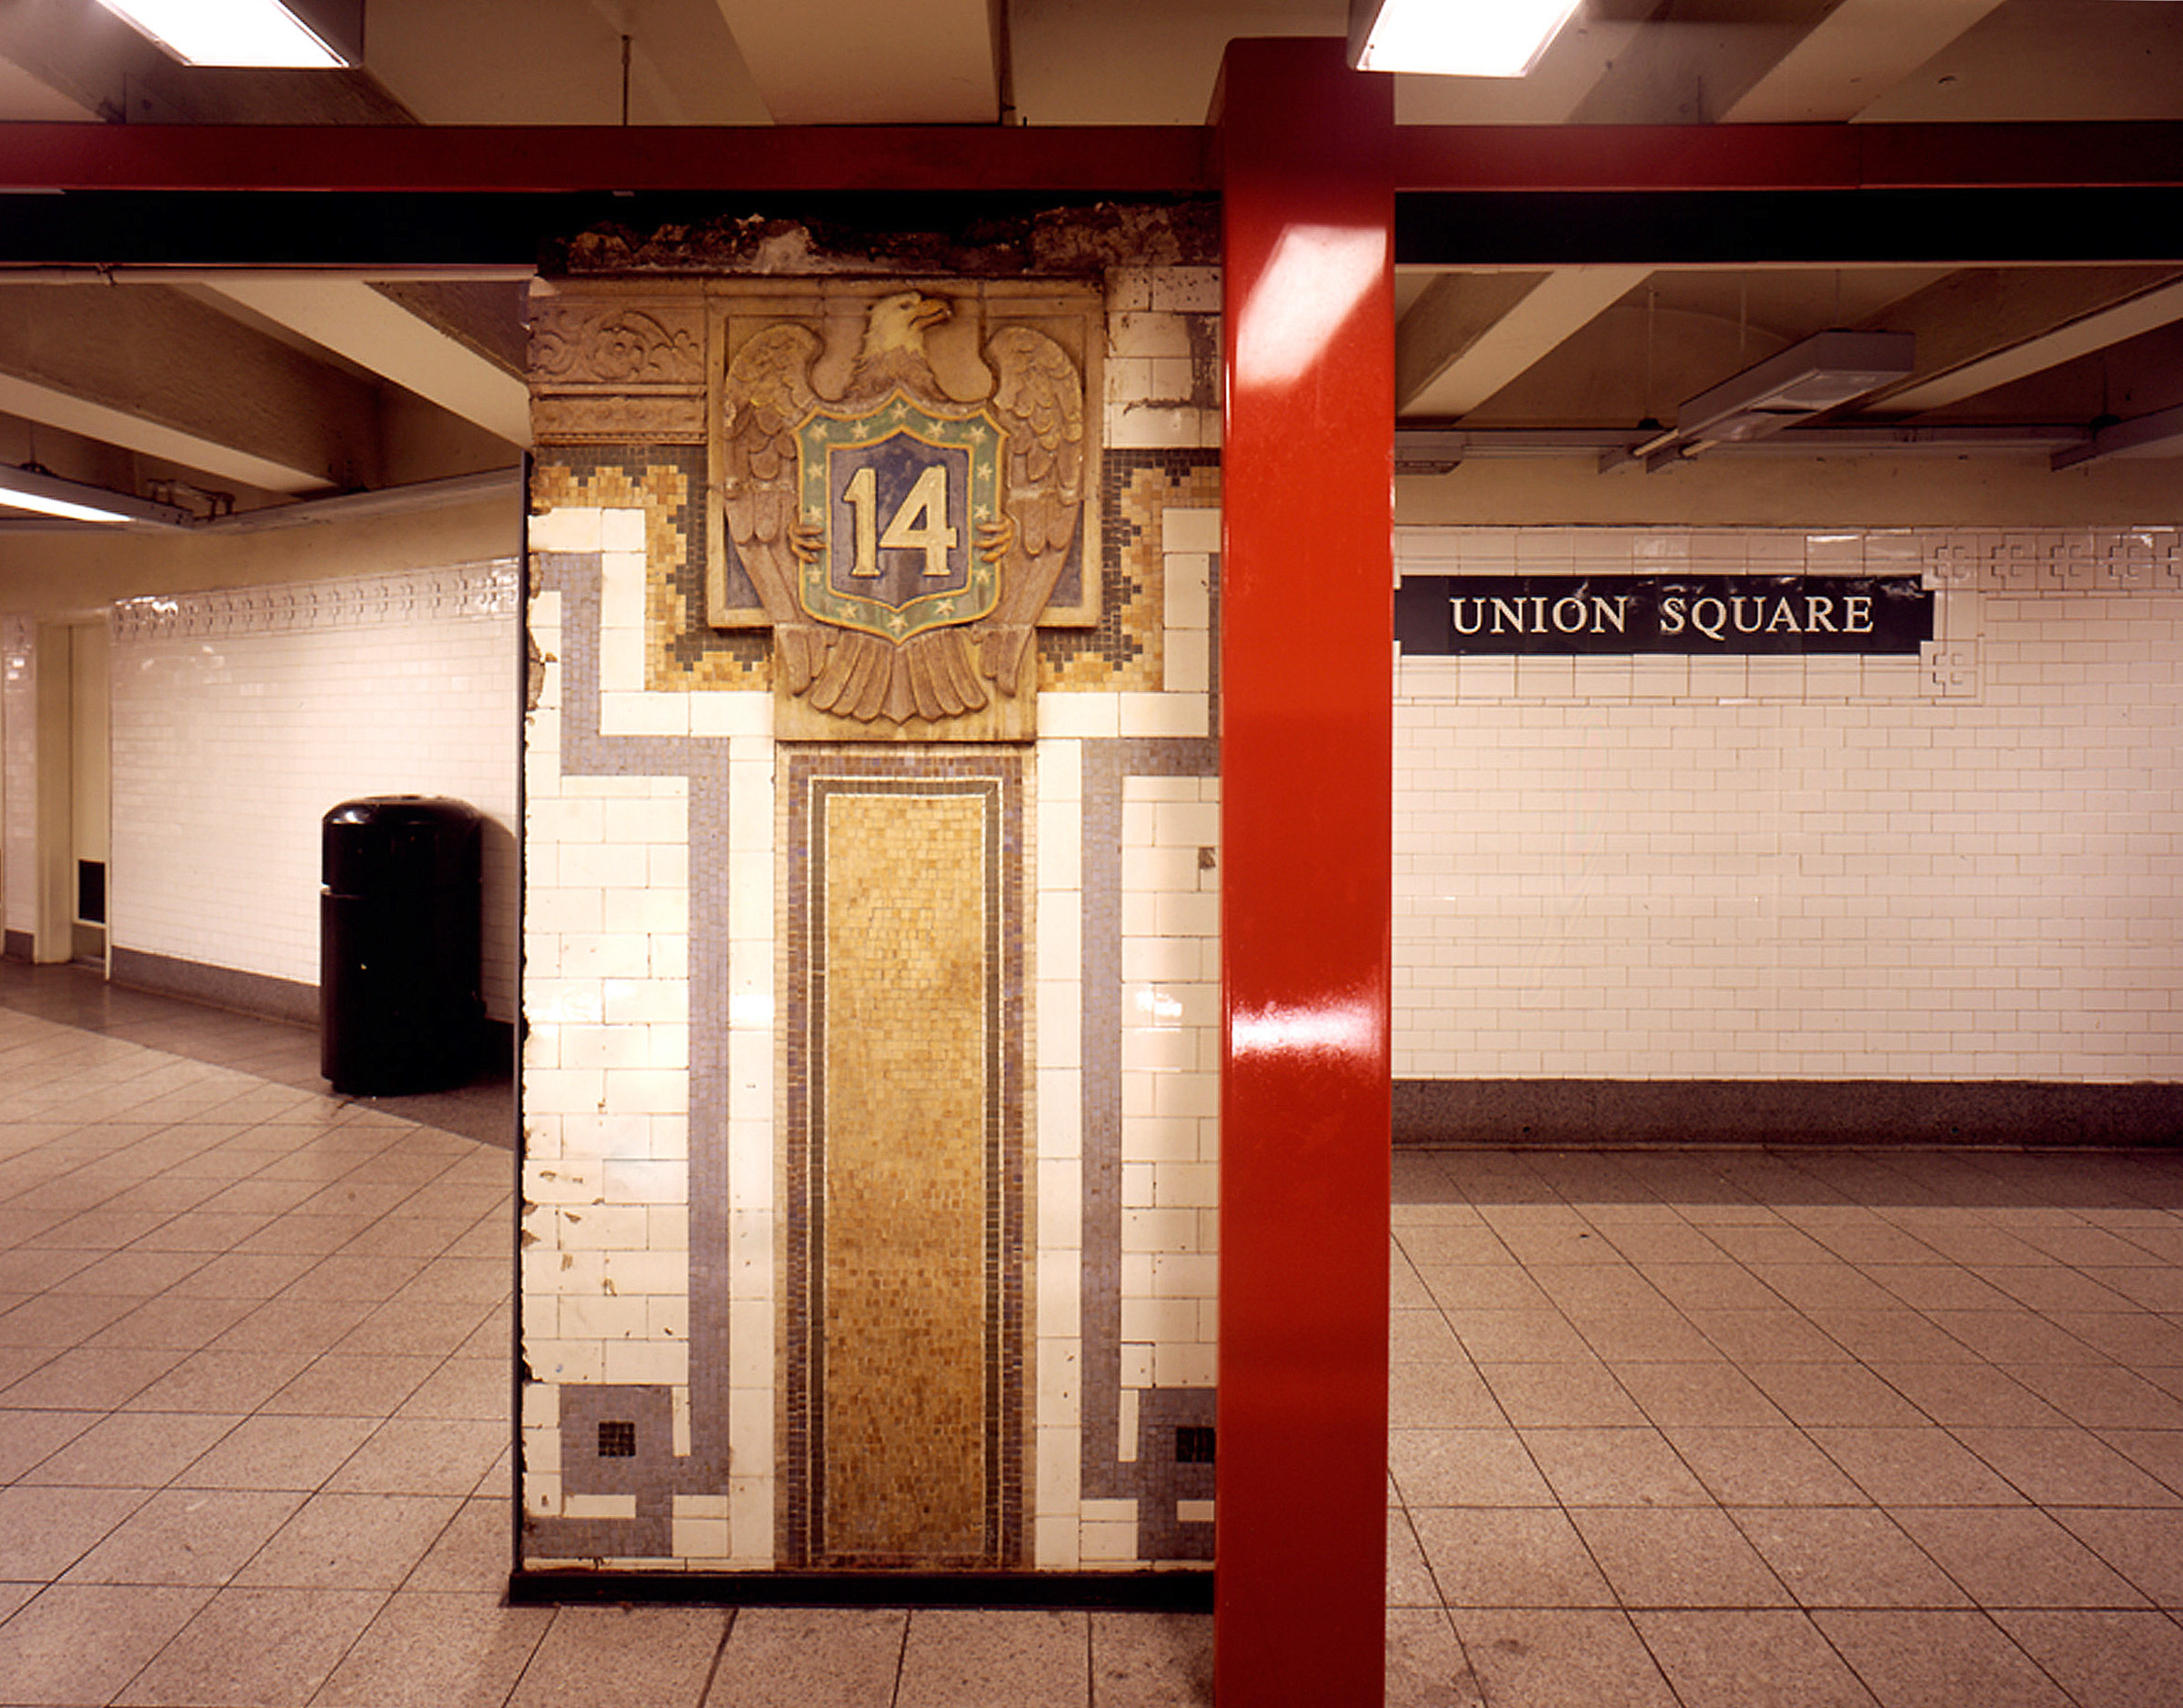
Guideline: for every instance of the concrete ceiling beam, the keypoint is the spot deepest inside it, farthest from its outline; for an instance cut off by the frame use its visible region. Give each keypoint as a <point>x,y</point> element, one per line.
<point>871,61</point>
<point>1853,56</point>
<point>1468,335</point>
<point>1982,327</point>
<point>378,331</point>
<point>147,368</point>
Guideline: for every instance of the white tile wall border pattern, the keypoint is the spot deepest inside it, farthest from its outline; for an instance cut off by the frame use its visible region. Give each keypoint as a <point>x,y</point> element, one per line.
<point>456,591</point>
<point>1955,872</point>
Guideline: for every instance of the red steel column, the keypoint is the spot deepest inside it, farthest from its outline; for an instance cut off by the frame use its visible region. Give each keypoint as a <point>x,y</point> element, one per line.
<point>1306,768</point>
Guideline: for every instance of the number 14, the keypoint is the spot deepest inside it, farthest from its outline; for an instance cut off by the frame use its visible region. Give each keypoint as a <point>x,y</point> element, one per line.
<point>919,525</point>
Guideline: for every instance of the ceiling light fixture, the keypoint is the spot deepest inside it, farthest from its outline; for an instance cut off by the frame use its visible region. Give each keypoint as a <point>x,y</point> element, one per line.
<point>31,487</point>
<point>302,34</point>
<point>1823,372</point>
<point>1455,38</point>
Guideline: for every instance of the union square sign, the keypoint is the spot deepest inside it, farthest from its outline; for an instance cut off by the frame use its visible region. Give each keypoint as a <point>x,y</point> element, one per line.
<point>1562,616</point>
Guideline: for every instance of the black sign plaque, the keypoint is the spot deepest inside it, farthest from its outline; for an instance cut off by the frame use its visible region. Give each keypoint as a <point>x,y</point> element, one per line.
<point>1726,615</point>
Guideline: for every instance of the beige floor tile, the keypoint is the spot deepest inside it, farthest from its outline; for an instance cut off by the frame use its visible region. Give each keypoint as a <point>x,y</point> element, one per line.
<point>2137,1338</point>
<point>1509,1336</point>
<point>246,1274</point>
<point>2012,1337</point>
<point>1426,1665</point>
<point>221,1381</point>
<point>1677,1557</point>
<point>1898,1335</point>
<point>1421,1334</point>
<point>1710,1393</point>
<point>2103,1396</point>
<point>422,1456</point>
<point>88,1378</point>
<point>461,1281</point>
<point>2146,1547</point>
<point>1153,1660</point>
<point>1934,1658</point>
<point>960,1658</point>
<point>792,1657</point>
<point>438,1651</point>
<point>133,1450</point>
<point>473,1389</point>
<point>1409,1580</point>
<point>81,1643</point>
<point>1567,1395</point>
<point>1657,1336</point>
<point>2050,1287</point>
<point>1749,1660</point>
<point>1779,1335</point>
<point>1662,1246</point>
<point>1512,1557</point>
<point>44,1532</point>
<point>1466,1467</point>
<point>1764,1467</point>
<point>1938,1286</point>
<point>281,1453</point>
<point>294,1325</point>
<point>173,1322</point>
<point>420,1328</point>
<point>2067,1467</point>
<point>1832,1556</point>
<point>337,1384</point>
<point>1824,1395</point>
<point>312,1236</point>
<point>350,1541</point>
<point>188,1536</point>
<point>2015,1557</point>
<point>28,1438</point>
<point>210,1231</point>
<point>1533,1658</point>
<point>1615,1467</point>
<point>52,1318</point>
<point>134,1273</point>
<point>371,1280</point>
<point>622,1657</point>
<point>1443,1244</point>
<point>1925,1466</point>
<point>1450,1394</point>
<point>473,1556</point>
<point>2104,1660</point>
<point>1483,1287</point>
<point>1975,1394</point>
<point>255,1649</point>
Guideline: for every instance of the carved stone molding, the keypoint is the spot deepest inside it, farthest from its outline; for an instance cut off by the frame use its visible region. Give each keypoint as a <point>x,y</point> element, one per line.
<point>584,344</point>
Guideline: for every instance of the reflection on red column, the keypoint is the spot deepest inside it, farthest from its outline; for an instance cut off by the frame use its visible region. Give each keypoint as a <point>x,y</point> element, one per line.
<point>1307,683</point>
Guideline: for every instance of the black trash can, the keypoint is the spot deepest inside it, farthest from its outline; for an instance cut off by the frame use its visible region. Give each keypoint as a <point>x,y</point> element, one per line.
<point>399,1001</point>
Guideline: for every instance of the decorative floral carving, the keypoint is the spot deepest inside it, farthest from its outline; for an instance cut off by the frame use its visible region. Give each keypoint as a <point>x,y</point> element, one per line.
<point>613,346</point>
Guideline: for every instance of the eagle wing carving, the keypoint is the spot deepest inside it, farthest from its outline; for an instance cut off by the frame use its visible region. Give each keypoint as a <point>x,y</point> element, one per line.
<point>1038,398</point>
<point>767,396</point>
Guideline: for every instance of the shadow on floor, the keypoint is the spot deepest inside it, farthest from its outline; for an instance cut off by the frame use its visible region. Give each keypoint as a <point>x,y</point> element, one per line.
<point>78,996</point>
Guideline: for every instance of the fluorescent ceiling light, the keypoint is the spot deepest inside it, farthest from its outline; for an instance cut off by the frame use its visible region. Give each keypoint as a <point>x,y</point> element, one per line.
<point>1822,373</point>
<point>258,32</point>
<point>32,488</point>
<point>1454,38</point>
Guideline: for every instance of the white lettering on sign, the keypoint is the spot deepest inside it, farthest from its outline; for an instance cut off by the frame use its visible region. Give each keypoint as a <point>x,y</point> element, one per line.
<point>1537,615</point>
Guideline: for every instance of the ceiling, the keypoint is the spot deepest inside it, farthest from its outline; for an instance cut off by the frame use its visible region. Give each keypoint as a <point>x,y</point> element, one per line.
<point>222,388</point>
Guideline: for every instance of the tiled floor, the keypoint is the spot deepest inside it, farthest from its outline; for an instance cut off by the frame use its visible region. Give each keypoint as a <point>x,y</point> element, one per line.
<point>1731,1430</point>
<point>1687,1428</point>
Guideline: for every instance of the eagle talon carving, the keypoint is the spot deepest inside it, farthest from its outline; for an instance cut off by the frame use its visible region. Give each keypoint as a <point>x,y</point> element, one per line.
<point>902,541</point>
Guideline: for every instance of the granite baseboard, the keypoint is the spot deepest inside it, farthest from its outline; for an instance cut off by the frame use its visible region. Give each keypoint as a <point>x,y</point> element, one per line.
<point>217,987</point>
<point>1559,1112</point>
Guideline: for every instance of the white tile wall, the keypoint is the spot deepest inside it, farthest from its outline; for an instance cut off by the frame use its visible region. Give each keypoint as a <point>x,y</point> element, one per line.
<point>1691,868</point>
<point>240,718</point>
<point>18,774</point>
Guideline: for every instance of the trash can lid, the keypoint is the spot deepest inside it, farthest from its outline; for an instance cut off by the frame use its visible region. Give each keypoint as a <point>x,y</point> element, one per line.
<point>398,810</point>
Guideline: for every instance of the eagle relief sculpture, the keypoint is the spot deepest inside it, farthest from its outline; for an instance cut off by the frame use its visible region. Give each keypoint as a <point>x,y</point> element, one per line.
<point>903,541</point>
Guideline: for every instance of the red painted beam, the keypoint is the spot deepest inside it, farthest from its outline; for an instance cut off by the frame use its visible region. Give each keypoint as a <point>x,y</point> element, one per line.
<point>1307,817</point>
<point>1119,160</point>
<point>1786,158</point>
<point>1108,160</point>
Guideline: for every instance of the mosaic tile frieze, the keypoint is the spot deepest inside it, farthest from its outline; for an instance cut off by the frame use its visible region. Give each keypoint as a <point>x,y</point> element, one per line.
<point>1127,650</point>
<point>902,1370</point>
<point>682,651</point>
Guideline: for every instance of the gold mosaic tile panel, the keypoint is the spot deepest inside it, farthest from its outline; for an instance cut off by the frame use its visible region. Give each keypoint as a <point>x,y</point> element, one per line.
<point>905,1264</point>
